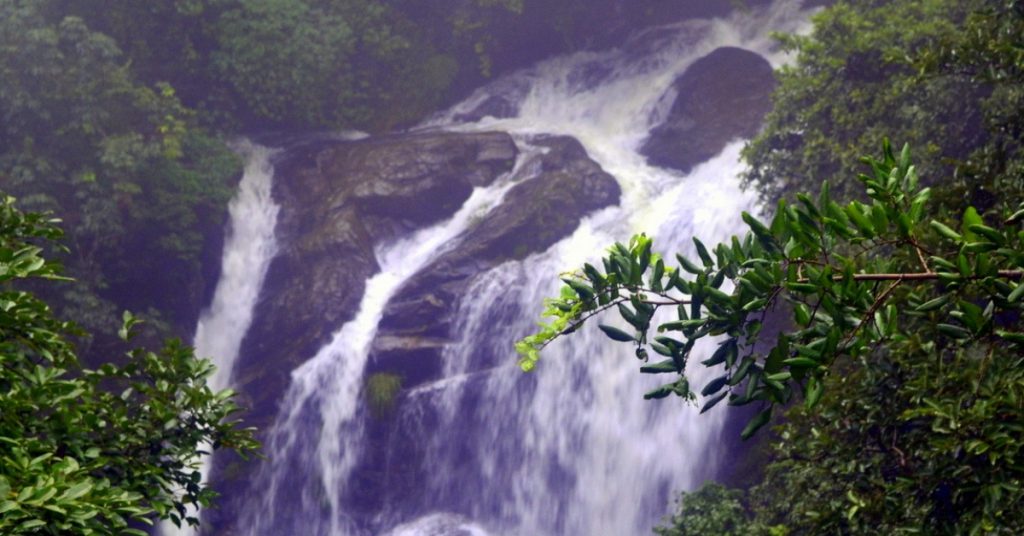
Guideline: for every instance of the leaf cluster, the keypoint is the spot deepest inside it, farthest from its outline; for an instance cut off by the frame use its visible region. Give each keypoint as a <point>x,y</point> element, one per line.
<point>853,276</point>
<point>94,451</point>
<point>942,75</point>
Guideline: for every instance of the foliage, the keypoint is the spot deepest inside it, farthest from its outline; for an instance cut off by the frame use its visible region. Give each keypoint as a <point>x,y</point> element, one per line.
<point>82,138</point>
<point>713,509</point>
<point>889,310</point>
<point>943,75</point>
<point>90,451</point>
<point>381,392</point>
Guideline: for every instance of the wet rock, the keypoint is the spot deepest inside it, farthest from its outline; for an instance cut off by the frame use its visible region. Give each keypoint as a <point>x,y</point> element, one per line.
<point>535,214</point>
<point>338,201</point>
<point>496,106</point>
<point>722,96</point>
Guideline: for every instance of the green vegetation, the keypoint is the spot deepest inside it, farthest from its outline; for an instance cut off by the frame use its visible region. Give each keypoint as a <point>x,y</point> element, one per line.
<point>91,451</point>
<point>714,509</point>
<point>114,116</point>
<point>382,391</point>
<point>905,334</point>
<point>945,76</point>
<point>140,185</point>
<point>905,347</point>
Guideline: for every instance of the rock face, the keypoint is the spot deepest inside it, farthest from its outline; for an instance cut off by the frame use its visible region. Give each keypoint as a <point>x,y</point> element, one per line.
<point>722,96</point>
<point>339,200</point>
<point>559,187</point>
<point>534,215</point>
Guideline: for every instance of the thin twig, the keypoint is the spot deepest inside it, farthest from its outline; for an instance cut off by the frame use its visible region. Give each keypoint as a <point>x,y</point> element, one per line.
<point>918,276</point>
<point>871,311</point>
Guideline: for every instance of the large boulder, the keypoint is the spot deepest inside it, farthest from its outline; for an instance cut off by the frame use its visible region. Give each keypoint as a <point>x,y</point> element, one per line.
<point>722,96</point>
<point>535,214</point>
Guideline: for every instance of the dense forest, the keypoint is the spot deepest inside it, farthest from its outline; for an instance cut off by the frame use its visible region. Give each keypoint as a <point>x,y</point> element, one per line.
<point>119,118</point>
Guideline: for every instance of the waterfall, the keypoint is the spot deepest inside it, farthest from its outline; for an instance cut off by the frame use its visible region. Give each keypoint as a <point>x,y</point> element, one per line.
<point>248,248</point>
<point>571,448</point>
<point>325,391</point>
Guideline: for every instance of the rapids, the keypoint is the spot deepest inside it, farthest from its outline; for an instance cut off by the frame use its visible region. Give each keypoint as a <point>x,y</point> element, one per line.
<point>571,448</point>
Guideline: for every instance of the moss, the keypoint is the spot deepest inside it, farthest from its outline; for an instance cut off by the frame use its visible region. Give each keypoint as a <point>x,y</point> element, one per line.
<point>381,392</point>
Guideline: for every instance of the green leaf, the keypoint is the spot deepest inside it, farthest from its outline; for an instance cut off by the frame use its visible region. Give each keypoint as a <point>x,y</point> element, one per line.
<point>970,218</point>
<point>879,219</point>
<point>725,353</point>
<point>946,231</point>
<point>713,402</point>
<point>629,316</point>
<point>76,491</point>
<point>814,391</point>
<point>661,367</point>
<point>862,222</point>
<point>742,370</point>
<point>762,233</point>
<point>7,506</point>
<point>1011,336</point>
<point>688,266</point>
<point>1016,294</point>
<point>755,305</point>
<point>705,257</point>
<point>715,385</point>
<point>801,362</point>
<point>953,331</point>
<point>756,423</point>
<point>931,305</point>
<point>660,392</point>
<point>802,314</point>
<point>616,334</point>
<point>585,293</point>
<point>593,275</point>
<point>1016,217</point>
<point>988,232</point>
<point>31,524</point>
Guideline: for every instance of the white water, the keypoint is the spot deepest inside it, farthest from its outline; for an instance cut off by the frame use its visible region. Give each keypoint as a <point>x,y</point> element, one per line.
<point>331,382</point>
<point>248,249</point>
<point>575,449</point>
<point>571,448</point>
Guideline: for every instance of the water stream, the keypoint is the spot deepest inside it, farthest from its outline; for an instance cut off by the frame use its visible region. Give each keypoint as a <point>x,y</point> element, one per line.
<point>249,247</point>
<point>326,389</point>
<point>571,448</point>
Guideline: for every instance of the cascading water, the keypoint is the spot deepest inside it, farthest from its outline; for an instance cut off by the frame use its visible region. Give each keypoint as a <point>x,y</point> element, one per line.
<point>573,448</point>
<point>248,250</point>
<point>326,389</point>
<point>570,448</point>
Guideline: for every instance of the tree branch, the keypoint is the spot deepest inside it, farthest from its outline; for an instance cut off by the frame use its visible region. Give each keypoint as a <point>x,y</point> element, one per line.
<point>918,276</point>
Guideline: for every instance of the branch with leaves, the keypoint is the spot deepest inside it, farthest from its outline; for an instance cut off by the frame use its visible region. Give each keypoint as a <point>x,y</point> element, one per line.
<point>850,276</point>
<point>101,451</point>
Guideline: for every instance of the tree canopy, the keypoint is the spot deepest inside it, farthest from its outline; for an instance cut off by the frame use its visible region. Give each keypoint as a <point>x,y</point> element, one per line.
<point>945,76</point>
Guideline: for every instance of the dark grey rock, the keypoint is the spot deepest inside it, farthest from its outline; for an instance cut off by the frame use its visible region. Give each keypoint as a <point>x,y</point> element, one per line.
<point>535,214</point>
<point>722,96</point>
<point>338,200</point>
